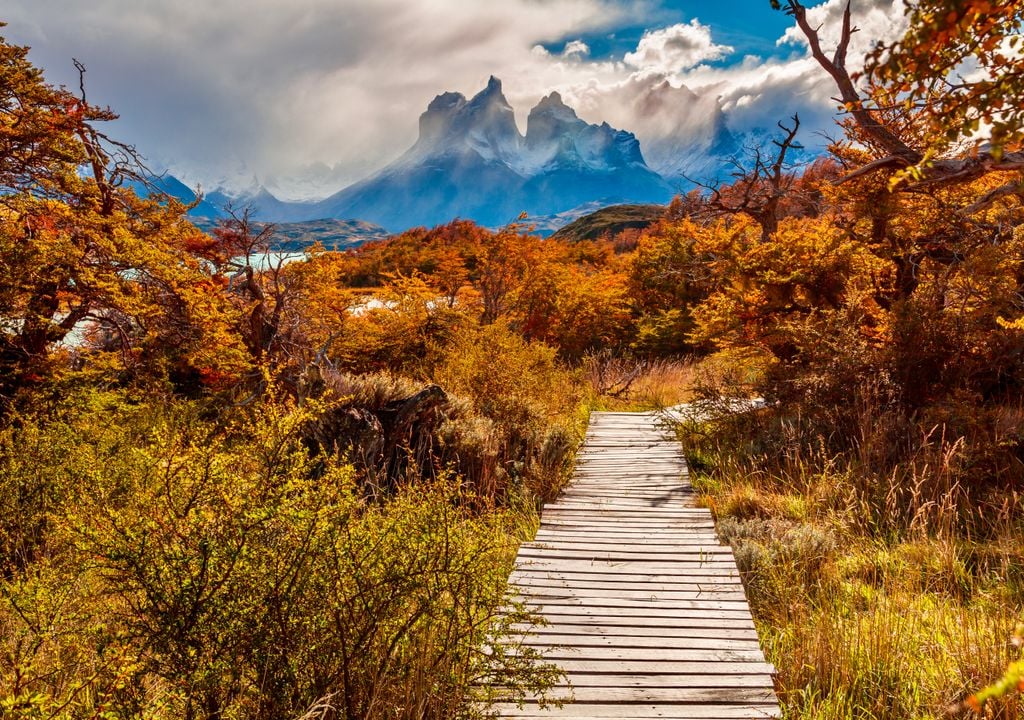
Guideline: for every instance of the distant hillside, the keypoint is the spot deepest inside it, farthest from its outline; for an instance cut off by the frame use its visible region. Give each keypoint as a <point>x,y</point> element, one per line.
<point>610,221</point>
<point>297,236</point>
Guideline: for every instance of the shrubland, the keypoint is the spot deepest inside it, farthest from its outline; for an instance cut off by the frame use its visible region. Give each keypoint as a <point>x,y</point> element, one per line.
<point>874,505</point>
<point>237,487</point>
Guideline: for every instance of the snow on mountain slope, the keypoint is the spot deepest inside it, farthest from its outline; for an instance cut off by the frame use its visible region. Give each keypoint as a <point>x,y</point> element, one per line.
<point>472,161</point>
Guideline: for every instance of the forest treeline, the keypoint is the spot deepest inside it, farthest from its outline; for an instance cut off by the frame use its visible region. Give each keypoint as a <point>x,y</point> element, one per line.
<point>233,486</point>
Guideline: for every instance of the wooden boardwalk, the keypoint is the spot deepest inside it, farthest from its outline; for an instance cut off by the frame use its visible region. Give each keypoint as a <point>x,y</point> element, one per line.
<point>646,612</point>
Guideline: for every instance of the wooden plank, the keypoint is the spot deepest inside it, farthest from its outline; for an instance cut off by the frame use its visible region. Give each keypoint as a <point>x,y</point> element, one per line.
<point>668,631</point>
<point>663,666</point>
<point>576,641</point>
<point>592,711</point>
<point>574,508</point>
<point>552,594</point>
<point>633,491</point>
<point>550,549</point>
<point>675,680</point>
<point>625,494</point>
<point>611,536</point>
<point>643,615</point>
<point>536,593</point>
<point>638,584</point>
<point>632,566</point>
<point>598,525</point>
<point>653,516</point>
<point>626,570</point>
<point>610,605</point>
<point>626,655</point>
<point>611,576</point>
<point>616,583</point>
<point>614,530</point>
<point>674,696</point>
<point>635,520</point>
<point>651,540</point>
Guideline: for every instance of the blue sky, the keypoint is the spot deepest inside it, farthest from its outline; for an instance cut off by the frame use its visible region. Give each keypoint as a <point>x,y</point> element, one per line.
<point>749,26</point>
<point>306,96</point>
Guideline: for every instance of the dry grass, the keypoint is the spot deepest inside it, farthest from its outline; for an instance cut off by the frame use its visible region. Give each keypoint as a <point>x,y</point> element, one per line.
<point>626,383</point>
<point>879,592</point>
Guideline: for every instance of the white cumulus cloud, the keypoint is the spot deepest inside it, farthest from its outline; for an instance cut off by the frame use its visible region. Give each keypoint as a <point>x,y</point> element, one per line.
<point>676,48</point>
<point>576,48</point>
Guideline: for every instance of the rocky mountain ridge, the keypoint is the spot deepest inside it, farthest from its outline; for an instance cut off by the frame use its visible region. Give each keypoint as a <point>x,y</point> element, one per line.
<point>472,161</point>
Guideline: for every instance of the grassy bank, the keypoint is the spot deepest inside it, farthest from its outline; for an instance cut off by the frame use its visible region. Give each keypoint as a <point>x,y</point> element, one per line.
<point>876,595</point>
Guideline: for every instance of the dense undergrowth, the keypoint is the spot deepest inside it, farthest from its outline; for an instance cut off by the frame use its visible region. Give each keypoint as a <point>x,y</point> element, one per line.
<point>169,559</point>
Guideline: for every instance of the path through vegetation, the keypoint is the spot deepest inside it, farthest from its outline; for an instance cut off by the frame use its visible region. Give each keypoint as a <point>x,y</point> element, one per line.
<point>645,609</point>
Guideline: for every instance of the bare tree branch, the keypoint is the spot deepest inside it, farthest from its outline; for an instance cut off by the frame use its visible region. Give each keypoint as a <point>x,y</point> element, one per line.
<point>985,201</point>
<point>759,191</point>
<point>836,67</point>
<point>935,173</point>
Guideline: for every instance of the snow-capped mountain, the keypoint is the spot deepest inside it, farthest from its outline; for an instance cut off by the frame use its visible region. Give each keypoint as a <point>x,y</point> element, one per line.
<point>472,161</point>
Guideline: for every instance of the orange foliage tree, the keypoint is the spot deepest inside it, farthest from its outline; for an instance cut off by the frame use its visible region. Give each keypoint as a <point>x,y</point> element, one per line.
<point>84,261</point>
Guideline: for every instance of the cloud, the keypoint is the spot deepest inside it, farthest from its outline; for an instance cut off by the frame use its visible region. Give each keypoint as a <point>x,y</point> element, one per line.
<point>332,89</point>
<point>874,21</point>
<point>676,48</point>
<point>220,91</point>
<point>576,48</point>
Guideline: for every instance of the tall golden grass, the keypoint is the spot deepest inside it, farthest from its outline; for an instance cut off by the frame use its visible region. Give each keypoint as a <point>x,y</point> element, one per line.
<point>885,578</point>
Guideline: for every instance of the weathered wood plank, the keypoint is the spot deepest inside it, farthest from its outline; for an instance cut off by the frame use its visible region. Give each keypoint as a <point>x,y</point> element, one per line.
<point>666,667</point>
<point>640,584</point>
<point>641,633</point>
<point>675,680</point>
<point>548,594</point>
<point>650,540</point>
<point>709,616</point>
<point>628,552</point>
<point>620,537</point>
<point>637,566</point>
<point>651,654</point>
<point>575,641</point>
<point>588,711</point>
<point>611,521</point>
<point>610,576</point>
<point>675,696</point>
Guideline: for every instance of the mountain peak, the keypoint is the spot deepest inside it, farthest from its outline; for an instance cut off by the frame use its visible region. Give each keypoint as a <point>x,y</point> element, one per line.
<point>554,99</point>
<point>485,125</point>
<point>436,122</point>
<point>554,106</point>
<point>491,95</point>
<point>447,101</point>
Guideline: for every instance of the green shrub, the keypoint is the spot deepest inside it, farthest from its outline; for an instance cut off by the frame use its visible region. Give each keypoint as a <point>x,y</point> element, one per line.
<point>200,569</point>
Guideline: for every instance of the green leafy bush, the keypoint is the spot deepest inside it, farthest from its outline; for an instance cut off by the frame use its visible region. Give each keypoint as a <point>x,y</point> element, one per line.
<point>193,568</point>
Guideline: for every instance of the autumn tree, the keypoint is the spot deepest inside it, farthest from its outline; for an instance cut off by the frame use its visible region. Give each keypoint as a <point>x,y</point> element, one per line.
<point>931,63</point>
<point>82,257</point>
<point>905,280</point>
<point>948,40</point>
